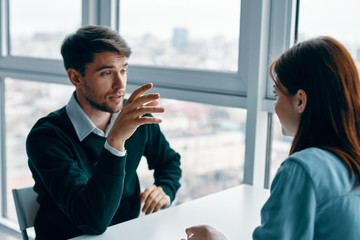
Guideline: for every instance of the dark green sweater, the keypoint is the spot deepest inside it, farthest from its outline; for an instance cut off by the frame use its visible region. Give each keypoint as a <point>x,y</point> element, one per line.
<point>83,188</point>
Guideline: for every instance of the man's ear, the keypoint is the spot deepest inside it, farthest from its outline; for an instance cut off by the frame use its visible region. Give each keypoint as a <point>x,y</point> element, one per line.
<point>301,100</point>
<point>74,76</point>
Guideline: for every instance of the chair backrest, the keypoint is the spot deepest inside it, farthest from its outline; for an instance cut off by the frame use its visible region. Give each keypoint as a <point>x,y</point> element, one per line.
<point>26,208</point>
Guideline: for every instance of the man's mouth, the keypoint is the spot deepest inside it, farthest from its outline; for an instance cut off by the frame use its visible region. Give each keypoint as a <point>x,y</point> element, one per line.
<point>116,97</point>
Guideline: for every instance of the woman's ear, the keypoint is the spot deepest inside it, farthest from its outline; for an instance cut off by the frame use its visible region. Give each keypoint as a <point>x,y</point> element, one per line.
<point>74,76</point>
<point>301,100</point>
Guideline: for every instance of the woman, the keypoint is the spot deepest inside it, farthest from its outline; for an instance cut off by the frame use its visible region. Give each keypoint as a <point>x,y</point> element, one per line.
<point>315,193</point>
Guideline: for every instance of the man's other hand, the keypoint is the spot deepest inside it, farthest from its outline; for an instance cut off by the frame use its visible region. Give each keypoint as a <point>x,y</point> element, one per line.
<point>154,198</point>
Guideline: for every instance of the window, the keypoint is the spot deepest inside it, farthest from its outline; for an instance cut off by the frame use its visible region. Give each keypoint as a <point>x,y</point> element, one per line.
<point>211,142</point>
<point>38,27</point>
<point>338,19</point>
<point>202,34</point>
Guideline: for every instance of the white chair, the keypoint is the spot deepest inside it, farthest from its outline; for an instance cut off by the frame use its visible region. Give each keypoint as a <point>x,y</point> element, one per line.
<point>26,208</point>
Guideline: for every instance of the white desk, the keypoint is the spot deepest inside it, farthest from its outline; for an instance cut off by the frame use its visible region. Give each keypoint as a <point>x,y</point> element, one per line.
<point>235,212</point>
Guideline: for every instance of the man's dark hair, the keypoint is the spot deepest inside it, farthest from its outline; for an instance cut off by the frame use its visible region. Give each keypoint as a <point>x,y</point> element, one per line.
<point>78,49</point>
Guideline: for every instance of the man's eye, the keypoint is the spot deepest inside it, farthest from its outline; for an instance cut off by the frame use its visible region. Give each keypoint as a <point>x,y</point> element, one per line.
<point>124,71</point>
<point>105,73</point>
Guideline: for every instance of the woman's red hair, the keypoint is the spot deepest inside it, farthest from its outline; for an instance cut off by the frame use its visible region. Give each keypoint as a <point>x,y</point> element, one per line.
<point>325,70</point>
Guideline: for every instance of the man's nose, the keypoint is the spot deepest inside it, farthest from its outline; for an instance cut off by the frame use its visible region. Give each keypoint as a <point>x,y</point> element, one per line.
<point>119,81</point>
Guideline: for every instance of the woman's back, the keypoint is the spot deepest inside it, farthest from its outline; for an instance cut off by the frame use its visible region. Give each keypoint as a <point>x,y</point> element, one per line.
<point>312,197</point>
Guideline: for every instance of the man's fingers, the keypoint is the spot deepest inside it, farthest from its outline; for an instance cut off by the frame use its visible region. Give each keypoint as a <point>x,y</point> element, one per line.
<point>158,203</point>
<point>144,195</point>
<point>154,203</point>
<point>138,117</point>
<point>149,199</point>
<point>142,101</point>
<point>133,114</point>
<point>148,120</point>
<point>146,99</point>
<point>152,103</point>
<point>148,109</point>
<point>140,91</point>
<point>154,198</point>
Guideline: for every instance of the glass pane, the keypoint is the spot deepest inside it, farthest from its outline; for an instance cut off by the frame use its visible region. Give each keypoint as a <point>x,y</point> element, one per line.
<point>37,27</point>
<point>211,142</point>
<point>279,149</point>
<point>338,19</point>
<point>25,103</point>
<point>201,34</point>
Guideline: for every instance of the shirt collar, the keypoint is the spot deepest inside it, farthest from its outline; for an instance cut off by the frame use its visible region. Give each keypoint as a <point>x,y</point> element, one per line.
<point>82,123</point>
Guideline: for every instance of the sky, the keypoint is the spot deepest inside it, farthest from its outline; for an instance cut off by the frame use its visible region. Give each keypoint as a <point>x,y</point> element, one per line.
<point>337,18</point>
<point>203,18</point>
<point>29,16</point>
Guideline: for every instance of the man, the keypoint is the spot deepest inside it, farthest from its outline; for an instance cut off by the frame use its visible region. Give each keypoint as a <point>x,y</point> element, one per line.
<point>84,156</point>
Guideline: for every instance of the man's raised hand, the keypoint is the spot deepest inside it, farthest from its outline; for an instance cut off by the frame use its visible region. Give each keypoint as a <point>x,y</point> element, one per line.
<point>131,116</point>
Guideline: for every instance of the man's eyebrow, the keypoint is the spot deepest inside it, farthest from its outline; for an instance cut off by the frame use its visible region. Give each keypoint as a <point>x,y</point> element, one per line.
<point>109,67</point>
<point>104,67</point>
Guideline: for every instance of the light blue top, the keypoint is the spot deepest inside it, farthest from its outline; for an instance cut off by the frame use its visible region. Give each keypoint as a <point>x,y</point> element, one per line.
<point>312,197</point>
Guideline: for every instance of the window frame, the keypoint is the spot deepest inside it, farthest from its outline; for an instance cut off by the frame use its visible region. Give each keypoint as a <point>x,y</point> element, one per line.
<point>265,30</point>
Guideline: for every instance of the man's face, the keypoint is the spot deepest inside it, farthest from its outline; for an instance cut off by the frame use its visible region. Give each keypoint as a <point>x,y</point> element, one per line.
<point>104,83</point>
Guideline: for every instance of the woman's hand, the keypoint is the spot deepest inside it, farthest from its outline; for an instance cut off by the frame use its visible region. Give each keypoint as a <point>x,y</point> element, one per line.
<point>203,232</point>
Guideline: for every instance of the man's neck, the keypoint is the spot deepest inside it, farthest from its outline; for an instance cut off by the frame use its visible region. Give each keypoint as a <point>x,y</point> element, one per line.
<point>99,118</point>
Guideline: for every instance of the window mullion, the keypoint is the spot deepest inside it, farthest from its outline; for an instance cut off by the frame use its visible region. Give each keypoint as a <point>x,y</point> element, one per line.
<point>89,15</point>
<point>282,19</point>
<point>4,28</point>
<point>107,13</point>
<point>282,33</point>
<point>253,68</point>
<point>3,191</point>
<point>4,51</point>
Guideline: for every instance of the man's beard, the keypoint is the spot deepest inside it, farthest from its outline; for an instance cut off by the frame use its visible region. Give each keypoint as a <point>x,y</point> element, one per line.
<point>103,107</point>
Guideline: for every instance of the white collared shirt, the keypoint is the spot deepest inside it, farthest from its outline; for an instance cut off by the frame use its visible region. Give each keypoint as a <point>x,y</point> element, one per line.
<point>84,126</point>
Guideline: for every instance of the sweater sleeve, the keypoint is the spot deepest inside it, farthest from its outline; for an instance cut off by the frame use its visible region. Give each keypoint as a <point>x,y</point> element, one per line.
<point>164,160</point>
<point>289,212</point>
<point>88,200</point>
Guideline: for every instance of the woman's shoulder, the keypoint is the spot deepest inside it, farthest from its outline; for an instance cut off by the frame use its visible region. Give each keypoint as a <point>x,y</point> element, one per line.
<point>325,169</point>
<point>317,160</point>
